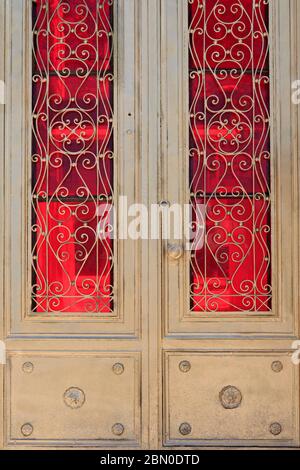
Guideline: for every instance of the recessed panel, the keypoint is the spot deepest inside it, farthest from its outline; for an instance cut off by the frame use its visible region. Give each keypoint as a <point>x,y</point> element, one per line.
<point>231,398</point>
<point>74,397</point>
<point>230,155</point>
<point>72,157</point>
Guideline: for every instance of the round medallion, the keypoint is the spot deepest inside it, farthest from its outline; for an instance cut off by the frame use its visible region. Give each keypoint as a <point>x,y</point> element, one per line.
<point>27,367</point>
<point>175,252</point>
<point>164,204</point>
<point>275,429</point>
<point>185,366</point>
<point>118,368</point>
<point>185,429</point>
<point>277,366</point>
<point>27,429</point>
<point>74,397</point>
<point>230,397</point>
<point>229,121</point>
<point>118,429</point>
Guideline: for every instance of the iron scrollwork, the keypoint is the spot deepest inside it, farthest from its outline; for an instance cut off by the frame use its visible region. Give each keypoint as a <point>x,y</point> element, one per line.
<point>72,156</point>
<point>230,154</point>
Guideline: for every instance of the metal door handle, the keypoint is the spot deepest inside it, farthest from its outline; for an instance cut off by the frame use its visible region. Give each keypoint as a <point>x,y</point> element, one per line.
<point>175,252</point>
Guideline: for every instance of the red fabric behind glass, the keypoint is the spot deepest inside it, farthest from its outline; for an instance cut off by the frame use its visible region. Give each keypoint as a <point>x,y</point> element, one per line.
<point>230,154</point>
<point>64,282</point>
<point>249,48</point>
<point>73,29</point>
<point>72,155</point>
<point>233,256</point>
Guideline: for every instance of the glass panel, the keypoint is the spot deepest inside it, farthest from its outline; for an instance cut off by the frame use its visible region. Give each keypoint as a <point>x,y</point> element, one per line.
<point>72,156</point>
<point>229,91</point>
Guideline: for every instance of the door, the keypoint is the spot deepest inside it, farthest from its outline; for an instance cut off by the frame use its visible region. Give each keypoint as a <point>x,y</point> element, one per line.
<point>229,297</point>
<point>72,309</point>
<point>179,340</point>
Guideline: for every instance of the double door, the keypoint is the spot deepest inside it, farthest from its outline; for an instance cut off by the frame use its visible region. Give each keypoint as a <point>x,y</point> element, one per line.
<point>150,255</point>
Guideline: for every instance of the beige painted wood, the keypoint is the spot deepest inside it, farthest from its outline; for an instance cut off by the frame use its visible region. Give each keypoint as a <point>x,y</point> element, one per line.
<point>74,347</point>
<point>2,114</point>
<point>266,396</point>
<point>207,340</point>
<point>109,395</point>
<point>153,329</point>
<point>124,321</point>
<point>149,24</point>
<point>178,319</point>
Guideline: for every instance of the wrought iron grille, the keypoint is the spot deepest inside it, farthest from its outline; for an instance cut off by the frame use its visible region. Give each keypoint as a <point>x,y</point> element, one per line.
<point>72,156</point>
<point>229,90</point>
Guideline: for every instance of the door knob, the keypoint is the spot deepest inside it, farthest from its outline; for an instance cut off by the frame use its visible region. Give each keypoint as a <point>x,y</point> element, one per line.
<point>175,252</point>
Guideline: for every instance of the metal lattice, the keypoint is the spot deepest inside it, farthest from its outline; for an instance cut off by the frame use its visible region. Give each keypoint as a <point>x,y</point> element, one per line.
<point>72,156</point>
<point>230,154</point>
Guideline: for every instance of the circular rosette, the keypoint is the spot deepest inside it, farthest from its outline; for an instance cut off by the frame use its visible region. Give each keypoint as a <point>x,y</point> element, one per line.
<point>229,132</point>
<point>230,397</point>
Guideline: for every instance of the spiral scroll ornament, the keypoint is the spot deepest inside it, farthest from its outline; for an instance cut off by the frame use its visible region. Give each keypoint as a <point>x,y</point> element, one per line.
<point>72,156</point>
<point>229,152</point>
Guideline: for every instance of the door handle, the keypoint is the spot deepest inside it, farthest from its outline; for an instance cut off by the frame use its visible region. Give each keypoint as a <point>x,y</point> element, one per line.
<point>175,251</point>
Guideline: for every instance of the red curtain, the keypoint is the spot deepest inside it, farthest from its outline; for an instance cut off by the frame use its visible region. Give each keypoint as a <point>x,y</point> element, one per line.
<point>72,156</point>
<point>229,96</point>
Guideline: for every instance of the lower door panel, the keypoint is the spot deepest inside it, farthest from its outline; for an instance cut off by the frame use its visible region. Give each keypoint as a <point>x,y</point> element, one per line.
<point>220,398</point>
<point>74,399</point>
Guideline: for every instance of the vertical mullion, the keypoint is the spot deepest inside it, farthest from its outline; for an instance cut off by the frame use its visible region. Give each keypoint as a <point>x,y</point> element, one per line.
<point>238,289</point>
<point>71,298</point>
<point>205,199</point>
<point>97,152</point>
<point>47,162</point>
<point>253,155</point>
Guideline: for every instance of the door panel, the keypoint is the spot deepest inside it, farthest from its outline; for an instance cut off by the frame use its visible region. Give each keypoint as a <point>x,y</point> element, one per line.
<point>228,298</point>
<point>150,343</point>
<point>82,399</point>
<point>235,280</point>
<point>67,278</point>
<point>73,321</point>
<point>230,399</point>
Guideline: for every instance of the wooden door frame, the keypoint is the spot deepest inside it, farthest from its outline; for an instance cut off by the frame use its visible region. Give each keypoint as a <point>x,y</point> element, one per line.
<point>146,151</point>
<point>181,332</point>
<point>152,309</point>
